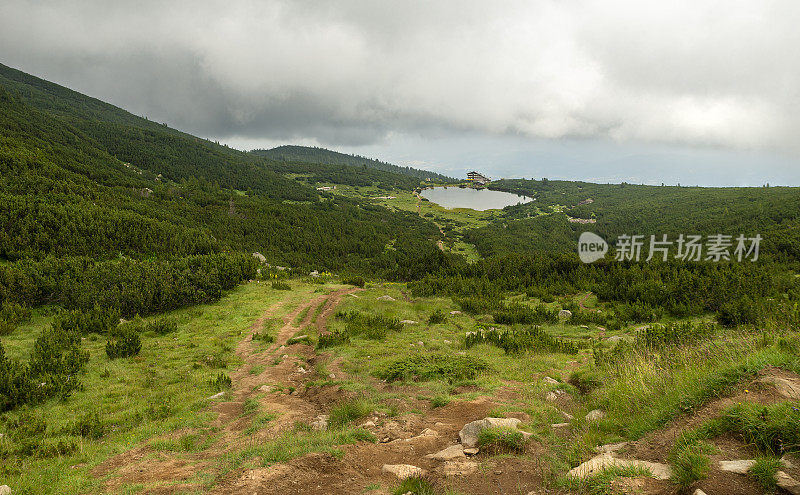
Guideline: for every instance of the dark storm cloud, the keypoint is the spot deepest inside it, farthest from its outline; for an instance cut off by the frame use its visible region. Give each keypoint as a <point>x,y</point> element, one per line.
<point>716,73</point>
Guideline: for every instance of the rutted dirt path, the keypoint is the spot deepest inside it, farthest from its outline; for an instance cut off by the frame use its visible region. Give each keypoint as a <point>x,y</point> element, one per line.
<point>267,375</point>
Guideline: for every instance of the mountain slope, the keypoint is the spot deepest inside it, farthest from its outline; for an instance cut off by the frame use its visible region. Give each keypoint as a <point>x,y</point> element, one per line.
<point>308,154</point>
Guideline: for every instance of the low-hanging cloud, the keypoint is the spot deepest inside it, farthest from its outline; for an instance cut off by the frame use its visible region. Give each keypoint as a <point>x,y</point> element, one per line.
<point>702,72</point>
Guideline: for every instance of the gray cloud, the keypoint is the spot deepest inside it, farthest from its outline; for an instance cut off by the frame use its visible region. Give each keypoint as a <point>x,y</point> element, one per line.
<point>352,72</point>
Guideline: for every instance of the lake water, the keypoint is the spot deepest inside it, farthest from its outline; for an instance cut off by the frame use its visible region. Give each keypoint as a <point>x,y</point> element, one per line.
<point>475,199</point>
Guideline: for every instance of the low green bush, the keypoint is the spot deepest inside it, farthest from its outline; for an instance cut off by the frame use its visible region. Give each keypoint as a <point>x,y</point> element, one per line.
<point>278,285</point>
<point>126,344</point>
<point>332,339</point>
<point>415,485</point>
<point>356,281</point>
<point>519,341</point>
<point>437,317</point>
<point>423,367</point>
<point>690,464</point>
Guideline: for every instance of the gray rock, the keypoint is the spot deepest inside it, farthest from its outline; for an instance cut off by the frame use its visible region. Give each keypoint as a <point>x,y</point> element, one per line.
<point>386,297</point>
<point>472,451</point>
<point>785,481</point>
<point>265,388</point>
<point>260,257</point>
<point>606,460</point>
<point>314,274</point>
<point>469,433</point>
<point>614,338</point>
<point>450,453</point>
<point>5,490</point>
<point>699,492</point>
<point>550,381</point>
<point>459,468</point>
<point>595,415</point>
<point>216,396</point>
<point>455,313</point>
<point>565,314</point>
<point>402,471</point>
<point>321,423</point>
<point>786,388</point>
<point>408,322</point>
<point>741,466</point>
<point>560,425</point>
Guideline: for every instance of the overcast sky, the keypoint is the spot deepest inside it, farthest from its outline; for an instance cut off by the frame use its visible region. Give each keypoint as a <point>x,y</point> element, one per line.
<point>698,92</point>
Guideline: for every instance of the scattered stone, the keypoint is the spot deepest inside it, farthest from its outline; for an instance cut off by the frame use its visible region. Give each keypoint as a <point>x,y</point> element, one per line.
<point>614,338</point>
<point>265,388</point>
<point>472,451</point>
<point>740,466</point>
<point>302,370</point>
<point>284,356</point>
<point>385,440</point>
<point>565,314</point>
<point>611,447</point>
<point>321,423</point>
<point>786,388</point>
<point>408,322</point>
<point>446,341</point>
<point>559,425</point>
<point>699,492</point>
<point>595,415</point>
<point>584,327</point>
<point>331,376</point>
<point>606,460</point>
<point>427,432</point>
<point>567,415</point>
<point>386,297</point>
<point>5,490</point>
<point>297,340</point>
<point>459,468</point>
<point>402,471</point>
<point>451,452</point>
<point>550,381</point>
<point>260,257</point>
<point>785,481</point>
<point>368,424</point>
<point>314,274</point>
<point>420,343</point>
<point>553,395</point>
<point>216,396</point>
<point>469,433</point>
<point>787,462</point>
<point>353,295</point>
<point>455,312</point>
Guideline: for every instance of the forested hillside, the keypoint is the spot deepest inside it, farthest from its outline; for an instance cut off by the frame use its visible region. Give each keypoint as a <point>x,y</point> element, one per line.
<point>301,154</point>
<point>618,209</point>
<point>88,189</point>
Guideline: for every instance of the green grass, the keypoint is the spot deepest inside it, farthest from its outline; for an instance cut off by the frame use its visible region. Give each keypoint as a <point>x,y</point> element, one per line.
<point>415,485</point>
<point>501,439</point>
<point>164,389</point>
<point>440,400</point>
<point>690,464</point>
<point>349,411</point>
<point>764,470</point>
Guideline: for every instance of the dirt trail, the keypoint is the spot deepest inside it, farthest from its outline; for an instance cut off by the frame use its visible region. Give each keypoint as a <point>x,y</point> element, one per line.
<point>279,373</point>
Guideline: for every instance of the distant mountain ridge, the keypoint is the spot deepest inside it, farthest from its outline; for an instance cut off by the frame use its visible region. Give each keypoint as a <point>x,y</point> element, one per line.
<point>293,153</point>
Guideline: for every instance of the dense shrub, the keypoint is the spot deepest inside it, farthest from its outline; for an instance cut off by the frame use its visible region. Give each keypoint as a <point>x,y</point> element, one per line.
<point>95,320</point>
<point>738,312</point>
<point>14,313</point>
<point>125,344</point>
<point>332,339</point>
<point>367,325</point>
<point>510,314</point>
<point>52,370</point>
<point>423,367</point>
<point>437,317</point>
<point>518,341</point>
<point>356,281</point>
<point>278,285</point>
